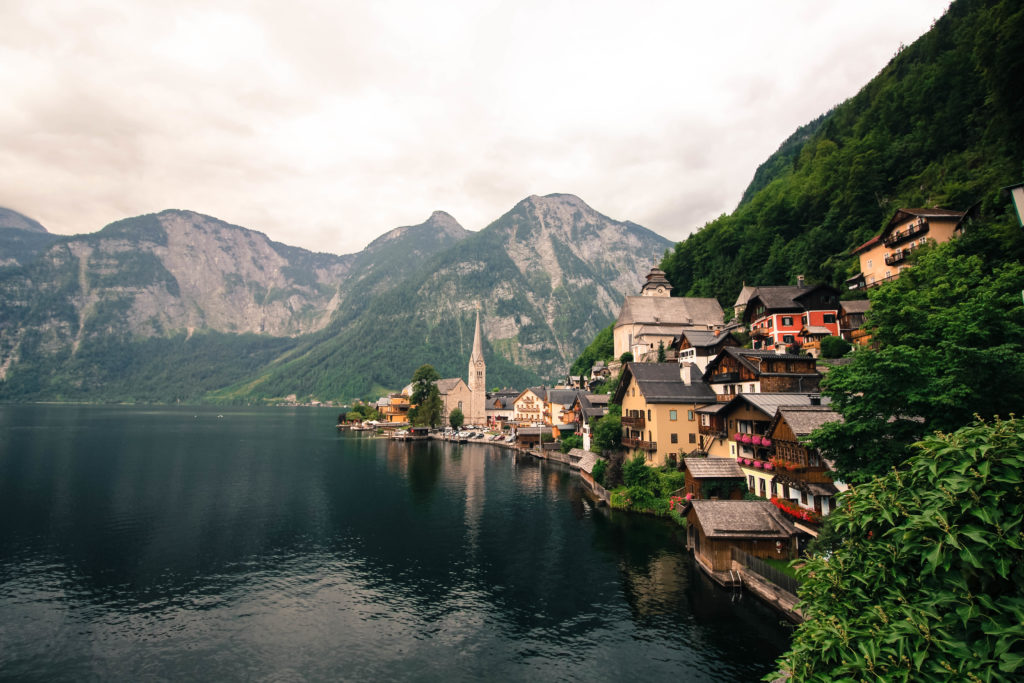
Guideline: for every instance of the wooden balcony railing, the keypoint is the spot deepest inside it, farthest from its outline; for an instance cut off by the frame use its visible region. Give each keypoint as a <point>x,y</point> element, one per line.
<point>637,443</point>
<point>896,257</point>
<point>711,430</point>
<point>725,377</point>
<point>635,422</point>
<point>912,230</point>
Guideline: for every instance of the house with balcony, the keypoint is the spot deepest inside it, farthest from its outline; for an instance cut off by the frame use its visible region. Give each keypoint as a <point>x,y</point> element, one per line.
<point>802,476</point>
<point>585,409</point>
<point>783,318</point>
<point>745,436</point>
<point>500,407</point>
<point>528,407</point>
<point>396,409</point>
<point>657,317</point>
<point>851,321</point>
<point>700,346</point>
<point>737,371</point>
<point>883,256</point>
<point>659,403</point>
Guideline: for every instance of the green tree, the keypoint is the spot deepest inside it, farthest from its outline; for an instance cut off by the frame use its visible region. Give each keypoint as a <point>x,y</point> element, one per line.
<point>626,357</point>
<point>661,351</point>
<point>456,419</point>
<point>570,442</point>
<point>834,347</point>
<point>606,431</point>
<point>922,578</point>
<point>600,467</point>
<point>425,397</point>
<point>950,344</point>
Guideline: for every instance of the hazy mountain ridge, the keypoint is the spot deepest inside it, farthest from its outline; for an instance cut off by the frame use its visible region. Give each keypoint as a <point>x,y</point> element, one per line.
<point>547,275</point>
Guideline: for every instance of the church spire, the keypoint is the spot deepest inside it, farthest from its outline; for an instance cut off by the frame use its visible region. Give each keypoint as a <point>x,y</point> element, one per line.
<point>478,347</point>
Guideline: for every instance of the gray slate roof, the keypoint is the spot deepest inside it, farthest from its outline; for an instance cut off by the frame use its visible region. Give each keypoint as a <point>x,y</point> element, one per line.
<point>564,397</point>
<point>741,519</point>
<point>699,338</point>
<point>587,460</point>
<point>769,403</point>
<point>805,419</point>
<point>671,311</point>
<point>661,383</point>
<point>713,468</point>
<point>445,386</point>
<point>855,306</point>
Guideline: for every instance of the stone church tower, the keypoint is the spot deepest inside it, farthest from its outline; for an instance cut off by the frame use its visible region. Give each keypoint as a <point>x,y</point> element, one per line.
<point>477,380</point>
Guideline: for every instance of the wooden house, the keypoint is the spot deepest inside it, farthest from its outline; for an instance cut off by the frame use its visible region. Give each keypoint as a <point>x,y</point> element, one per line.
<point>754,526</point>
<point>713,478</point>
<point>801,474</point>
<point>851,321</point>
<point>750,371</point>
<point>701,346</point>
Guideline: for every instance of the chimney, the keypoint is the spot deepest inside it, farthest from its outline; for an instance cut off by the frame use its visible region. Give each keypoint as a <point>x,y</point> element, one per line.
<point>800,281</point>
<point>685,371</point>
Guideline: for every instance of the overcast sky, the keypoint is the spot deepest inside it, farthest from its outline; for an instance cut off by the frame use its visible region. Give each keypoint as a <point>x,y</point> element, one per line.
<point>325,123</point>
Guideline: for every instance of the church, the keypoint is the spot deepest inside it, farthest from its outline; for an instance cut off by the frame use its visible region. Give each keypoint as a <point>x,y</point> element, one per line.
<point>469,397</point>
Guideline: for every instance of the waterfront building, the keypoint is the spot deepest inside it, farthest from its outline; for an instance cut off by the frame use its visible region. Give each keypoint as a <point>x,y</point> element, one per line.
<point>477,414</point>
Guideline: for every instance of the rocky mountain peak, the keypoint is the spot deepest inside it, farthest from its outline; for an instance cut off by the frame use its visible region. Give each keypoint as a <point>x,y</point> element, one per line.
<point>13,220</point>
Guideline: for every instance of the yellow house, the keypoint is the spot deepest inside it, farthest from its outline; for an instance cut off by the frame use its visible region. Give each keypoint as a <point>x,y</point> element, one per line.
<point>883,257</point>
<point>528,408</point>
<point>397,409</point>
<point>659,409</point>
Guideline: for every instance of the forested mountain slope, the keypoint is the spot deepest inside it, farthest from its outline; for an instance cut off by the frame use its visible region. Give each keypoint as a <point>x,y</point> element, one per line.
<point>941,125</point>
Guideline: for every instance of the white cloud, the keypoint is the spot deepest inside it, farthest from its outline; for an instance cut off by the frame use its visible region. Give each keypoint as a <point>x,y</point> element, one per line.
<point>325,124</point>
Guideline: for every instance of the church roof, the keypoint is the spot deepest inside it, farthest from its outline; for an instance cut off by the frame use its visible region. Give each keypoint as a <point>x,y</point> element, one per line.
<point>478,348</point>
<point>446,386</point>
<point>681,311</point>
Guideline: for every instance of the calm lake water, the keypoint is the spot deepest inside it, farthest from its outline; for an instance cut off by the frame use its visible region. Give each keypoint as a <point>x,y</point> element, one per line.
<point>173,544</point>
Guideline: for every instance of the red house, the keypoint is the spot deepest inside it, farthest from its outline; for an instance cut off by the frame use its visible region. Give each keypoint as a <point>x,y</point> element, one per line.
<point>790,316</point>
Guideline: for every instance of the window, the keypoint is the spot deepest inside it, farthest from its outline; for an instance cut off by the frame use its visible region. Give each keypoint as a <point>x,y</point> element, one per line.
<point>830,318</point>
<point>648,413</point>
<point>693,438</point>
<point>803,319</point>
<point>787,339</point>
<point>739,388</point>
<point>689,415</point>
<point>761,488</point>
<point>888,273</point>
<point>460,405</point>
<point>787,320</point>
<point>750,482</point>
<point>674,438</point>
<point>870,264</point>
<point>751,388</point>
<point>672,416</point>
<point>775,489</point>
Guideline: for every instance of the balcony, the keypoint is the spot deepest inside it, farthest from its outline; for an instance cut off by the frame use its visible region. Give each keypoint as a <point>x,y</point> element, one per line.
<point>712,430</point>
<point>919,227</point>
<point>897,256</point>
<point>760,331</point>
<point>635,422</point>
<point>725,377</point>
<point>637,443</point>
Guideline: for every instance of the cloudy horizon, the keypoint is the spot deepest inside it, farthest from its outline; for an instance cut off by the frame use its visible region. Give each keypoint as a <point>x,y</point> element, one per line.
<point>326,124</point>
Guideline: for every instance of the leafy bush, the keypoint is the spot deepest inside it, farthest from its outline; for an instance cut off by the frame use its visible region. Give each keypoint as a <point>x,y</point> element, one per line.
<point>834,347</point>
<point>570,442</point>
<point>921,577</point>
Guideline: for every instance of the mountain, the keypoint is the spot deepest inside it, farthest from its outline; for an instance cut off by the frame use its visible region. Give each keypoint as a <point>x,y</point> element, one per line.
<point>547,276</point>
<point>181,306</point>
<point>16,221</point>
<point>21,239</point>
<point>940,126</point>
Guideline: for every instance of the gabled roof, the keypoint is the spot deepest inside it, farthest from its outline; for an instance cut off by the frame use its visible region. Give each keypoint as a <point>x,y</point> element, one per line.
<point>592,405</point>
<point>783,298</point>
<point>662,383</point>
<point>770,403</point>
<point>741,519</point>
<point>805,419</point>
<point>706,338</point>
<point>748,359</point>
<point>587,460</point>
<point>446,386</point>
<point>744,296</point>
<point>664,310</point>
<point>855,306</point>
<point>713,468</point>
<point>563,397</point>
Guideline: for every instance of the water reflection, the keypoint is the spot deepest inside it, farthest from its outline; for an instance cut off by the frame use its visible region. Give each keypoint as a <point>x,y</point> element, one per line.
<point>266,543</point>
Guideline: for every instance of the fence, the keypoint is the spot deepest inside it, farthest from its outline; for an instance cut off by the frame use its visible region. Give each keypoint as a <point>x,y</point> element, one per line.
<point>765,570</point>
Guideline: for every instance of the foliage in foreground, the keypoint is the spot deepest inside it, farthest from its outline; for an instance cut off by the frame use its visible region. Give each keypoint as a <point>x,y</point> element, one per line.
<point>923,577</point>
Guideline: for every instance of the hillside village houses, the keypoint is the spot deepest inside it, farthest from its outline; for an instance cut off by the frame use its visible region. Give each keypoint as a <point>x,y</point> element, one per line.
<point>715,400</point>
<point>884,256</point>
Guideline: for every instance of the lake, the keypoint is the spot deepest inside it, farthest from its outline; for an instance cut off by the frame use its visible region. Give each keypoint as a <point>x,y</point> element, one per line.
<point>259,544</point>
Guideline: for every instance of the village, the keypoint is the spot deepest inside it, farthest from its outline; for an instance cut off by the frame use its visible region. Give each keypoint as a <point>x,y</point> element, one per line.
<point>729,404</point>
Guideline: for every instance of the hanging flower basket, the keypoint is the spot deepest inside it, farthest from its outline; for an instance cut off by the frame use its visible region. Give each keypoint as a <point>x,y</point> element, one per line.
<point>769,466</point>
<point>766,442</point>
<point>737,437</point>
<point>756,439</point>
<point>745,438</point>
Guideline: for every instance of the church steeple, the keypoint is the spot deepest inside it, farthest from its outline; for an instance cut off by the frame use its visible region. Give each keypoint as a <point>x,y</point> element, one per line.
<point>478,347</point>
<point>477,379</point>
